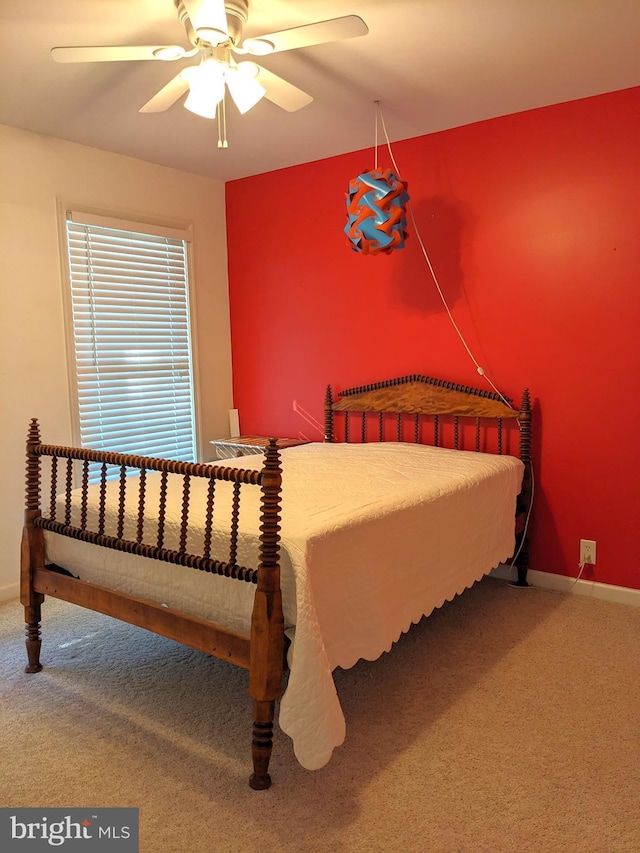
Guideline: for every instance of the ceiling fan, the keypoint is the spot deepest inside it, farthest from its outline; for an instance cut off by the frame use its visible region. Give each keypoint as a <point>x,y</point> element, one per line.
<point>215,29</point>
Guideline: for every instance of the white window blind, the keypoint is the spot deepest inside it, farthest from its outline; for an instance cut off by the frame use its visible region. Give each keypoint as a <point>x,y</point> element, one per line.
<point>131,338</point>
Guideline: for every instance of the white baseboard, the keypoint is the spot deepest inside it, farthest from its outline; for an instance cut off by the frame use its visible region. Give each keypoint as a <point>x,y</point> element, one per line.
<point>9,592</point>
<point>562,583</point>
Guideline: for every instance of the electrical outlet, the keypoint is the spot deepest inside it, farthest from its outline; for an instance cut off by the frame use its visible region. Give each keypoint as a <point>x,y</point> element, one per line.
<point>587,552</point>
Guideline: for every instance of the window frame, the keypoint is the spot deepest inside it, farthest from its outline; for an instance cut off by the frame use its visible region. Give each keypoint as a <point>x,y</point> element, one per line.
<point>178,229</point>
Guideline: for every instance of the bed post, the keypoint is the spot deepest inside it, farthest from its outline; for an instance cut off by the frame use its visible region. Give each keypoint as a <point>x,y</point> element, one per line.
<point>32,552</point>
<point>526,494</point>
<point>328,415</point>
<point>266,654</point>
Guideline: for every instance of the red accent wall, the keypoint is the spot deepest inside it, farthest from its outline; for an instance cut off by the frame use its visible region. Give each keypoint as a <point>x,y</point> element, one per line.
<point>532,225</point>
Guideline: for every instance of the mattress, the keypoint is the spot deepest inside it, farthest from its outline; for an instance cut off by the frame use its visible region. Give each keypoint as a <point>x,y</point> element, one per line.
<point>373,537</point>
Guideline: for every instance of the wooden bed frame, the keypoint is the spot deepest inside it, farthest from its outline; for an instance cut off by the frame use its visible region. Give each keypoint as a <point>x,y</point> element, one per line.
<point>414,400</point>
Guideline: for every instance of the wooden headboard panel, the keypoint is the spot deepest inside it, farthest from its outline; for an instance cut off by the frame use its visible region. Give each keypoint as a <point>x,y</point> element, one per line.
<point>415,396</point>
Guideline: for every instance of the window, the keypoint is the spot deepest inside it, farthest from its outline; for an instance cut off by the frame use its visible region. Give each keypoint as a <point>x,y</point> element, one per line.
<point>131,349</point>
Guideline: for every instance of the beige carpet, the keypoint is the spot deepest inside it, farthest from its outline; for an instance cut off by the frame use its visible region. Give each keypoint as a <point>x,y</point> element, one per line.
<point>507,721</point>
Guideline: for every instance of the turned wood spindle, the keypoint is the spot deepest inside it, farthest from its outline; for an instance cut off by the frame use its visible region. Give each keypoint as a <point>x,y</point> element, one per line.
<point>184,522</point>
<point>122,497</point>
<point>32,551</point>
<point>67,491</point>
<point>54,487</point>
<point>102,501</point>
<point>162,508</point>
<point>235,515</point>
<point>526,493</point>
<point>267,624</point>
<point>208,523</point>
<point>85,494</point>
<point>142,488</point>
<point>328,415</point>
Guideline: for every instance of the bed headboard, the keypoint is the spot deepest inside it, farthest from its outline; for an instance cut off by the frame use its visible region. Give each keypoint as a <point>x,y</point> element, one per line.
<point>418,398</point>
<point>441,413</point>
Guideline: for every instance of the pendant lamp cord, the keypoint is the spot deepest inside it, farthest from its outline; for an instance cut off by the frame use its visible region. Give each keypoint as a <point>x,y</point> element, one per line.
<point>375,135</point>
<point>479,369</point>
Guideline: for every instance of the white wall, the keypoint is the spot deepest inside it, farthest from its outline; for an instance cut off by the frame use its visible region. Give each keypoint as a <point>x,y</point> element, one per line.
<point>36,171</point>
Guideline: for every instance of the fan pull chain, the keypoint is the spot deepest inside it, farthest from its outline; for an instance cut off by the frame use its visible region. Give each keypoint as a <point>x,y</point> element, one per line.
<point>222,123</point>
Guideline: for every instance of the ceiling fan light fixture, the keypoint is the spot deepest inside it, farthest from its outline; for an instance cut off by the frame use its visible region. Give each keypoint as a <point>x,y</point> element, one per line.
<point>206,87</point>
<point>201,107</point>
<point>244,89</point>
<point>215,29</point>
<point>248,69</point>
<point>258,46</point>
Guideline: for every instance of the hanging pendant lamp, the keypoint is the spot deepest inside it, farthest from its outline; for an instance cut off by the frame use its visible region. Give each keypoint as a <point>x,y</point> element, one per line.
<point>376,210</point>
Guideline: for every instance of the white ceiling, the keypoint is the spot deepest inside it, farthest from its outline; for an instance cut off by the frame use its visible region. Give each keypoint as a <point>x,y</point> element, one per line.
<point>432,64</point>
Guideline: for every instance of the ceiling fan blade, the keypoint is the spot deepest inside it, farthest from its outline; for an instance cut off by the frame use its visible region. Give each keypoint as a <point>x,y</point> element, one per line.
<point>281,93</point>
<point>167,96</point>
<point>208,18</point>
<point>335,29</point>
<point>120,53</point>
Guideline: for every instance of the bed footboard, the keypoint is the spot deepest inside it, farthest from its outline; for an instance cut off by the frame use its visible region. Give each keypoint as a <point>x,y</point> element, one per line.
<point>261,652</point>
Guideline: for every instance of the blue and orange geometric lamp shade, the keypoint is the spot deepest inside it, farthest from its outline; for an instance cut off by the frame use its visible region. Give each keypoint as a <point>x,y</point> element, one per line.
<point>376,213</point>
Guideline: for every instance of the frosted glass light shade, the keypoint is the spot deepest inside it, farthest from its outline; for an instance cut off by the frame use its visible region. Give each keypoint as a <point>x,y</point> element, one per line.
<point>206,88</point>
<point>243,87</point>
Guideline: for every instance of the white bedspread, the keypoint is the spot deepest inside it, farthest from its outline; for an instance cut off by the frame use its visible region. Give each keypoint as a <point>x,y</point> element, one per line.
<point>374,536</point>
